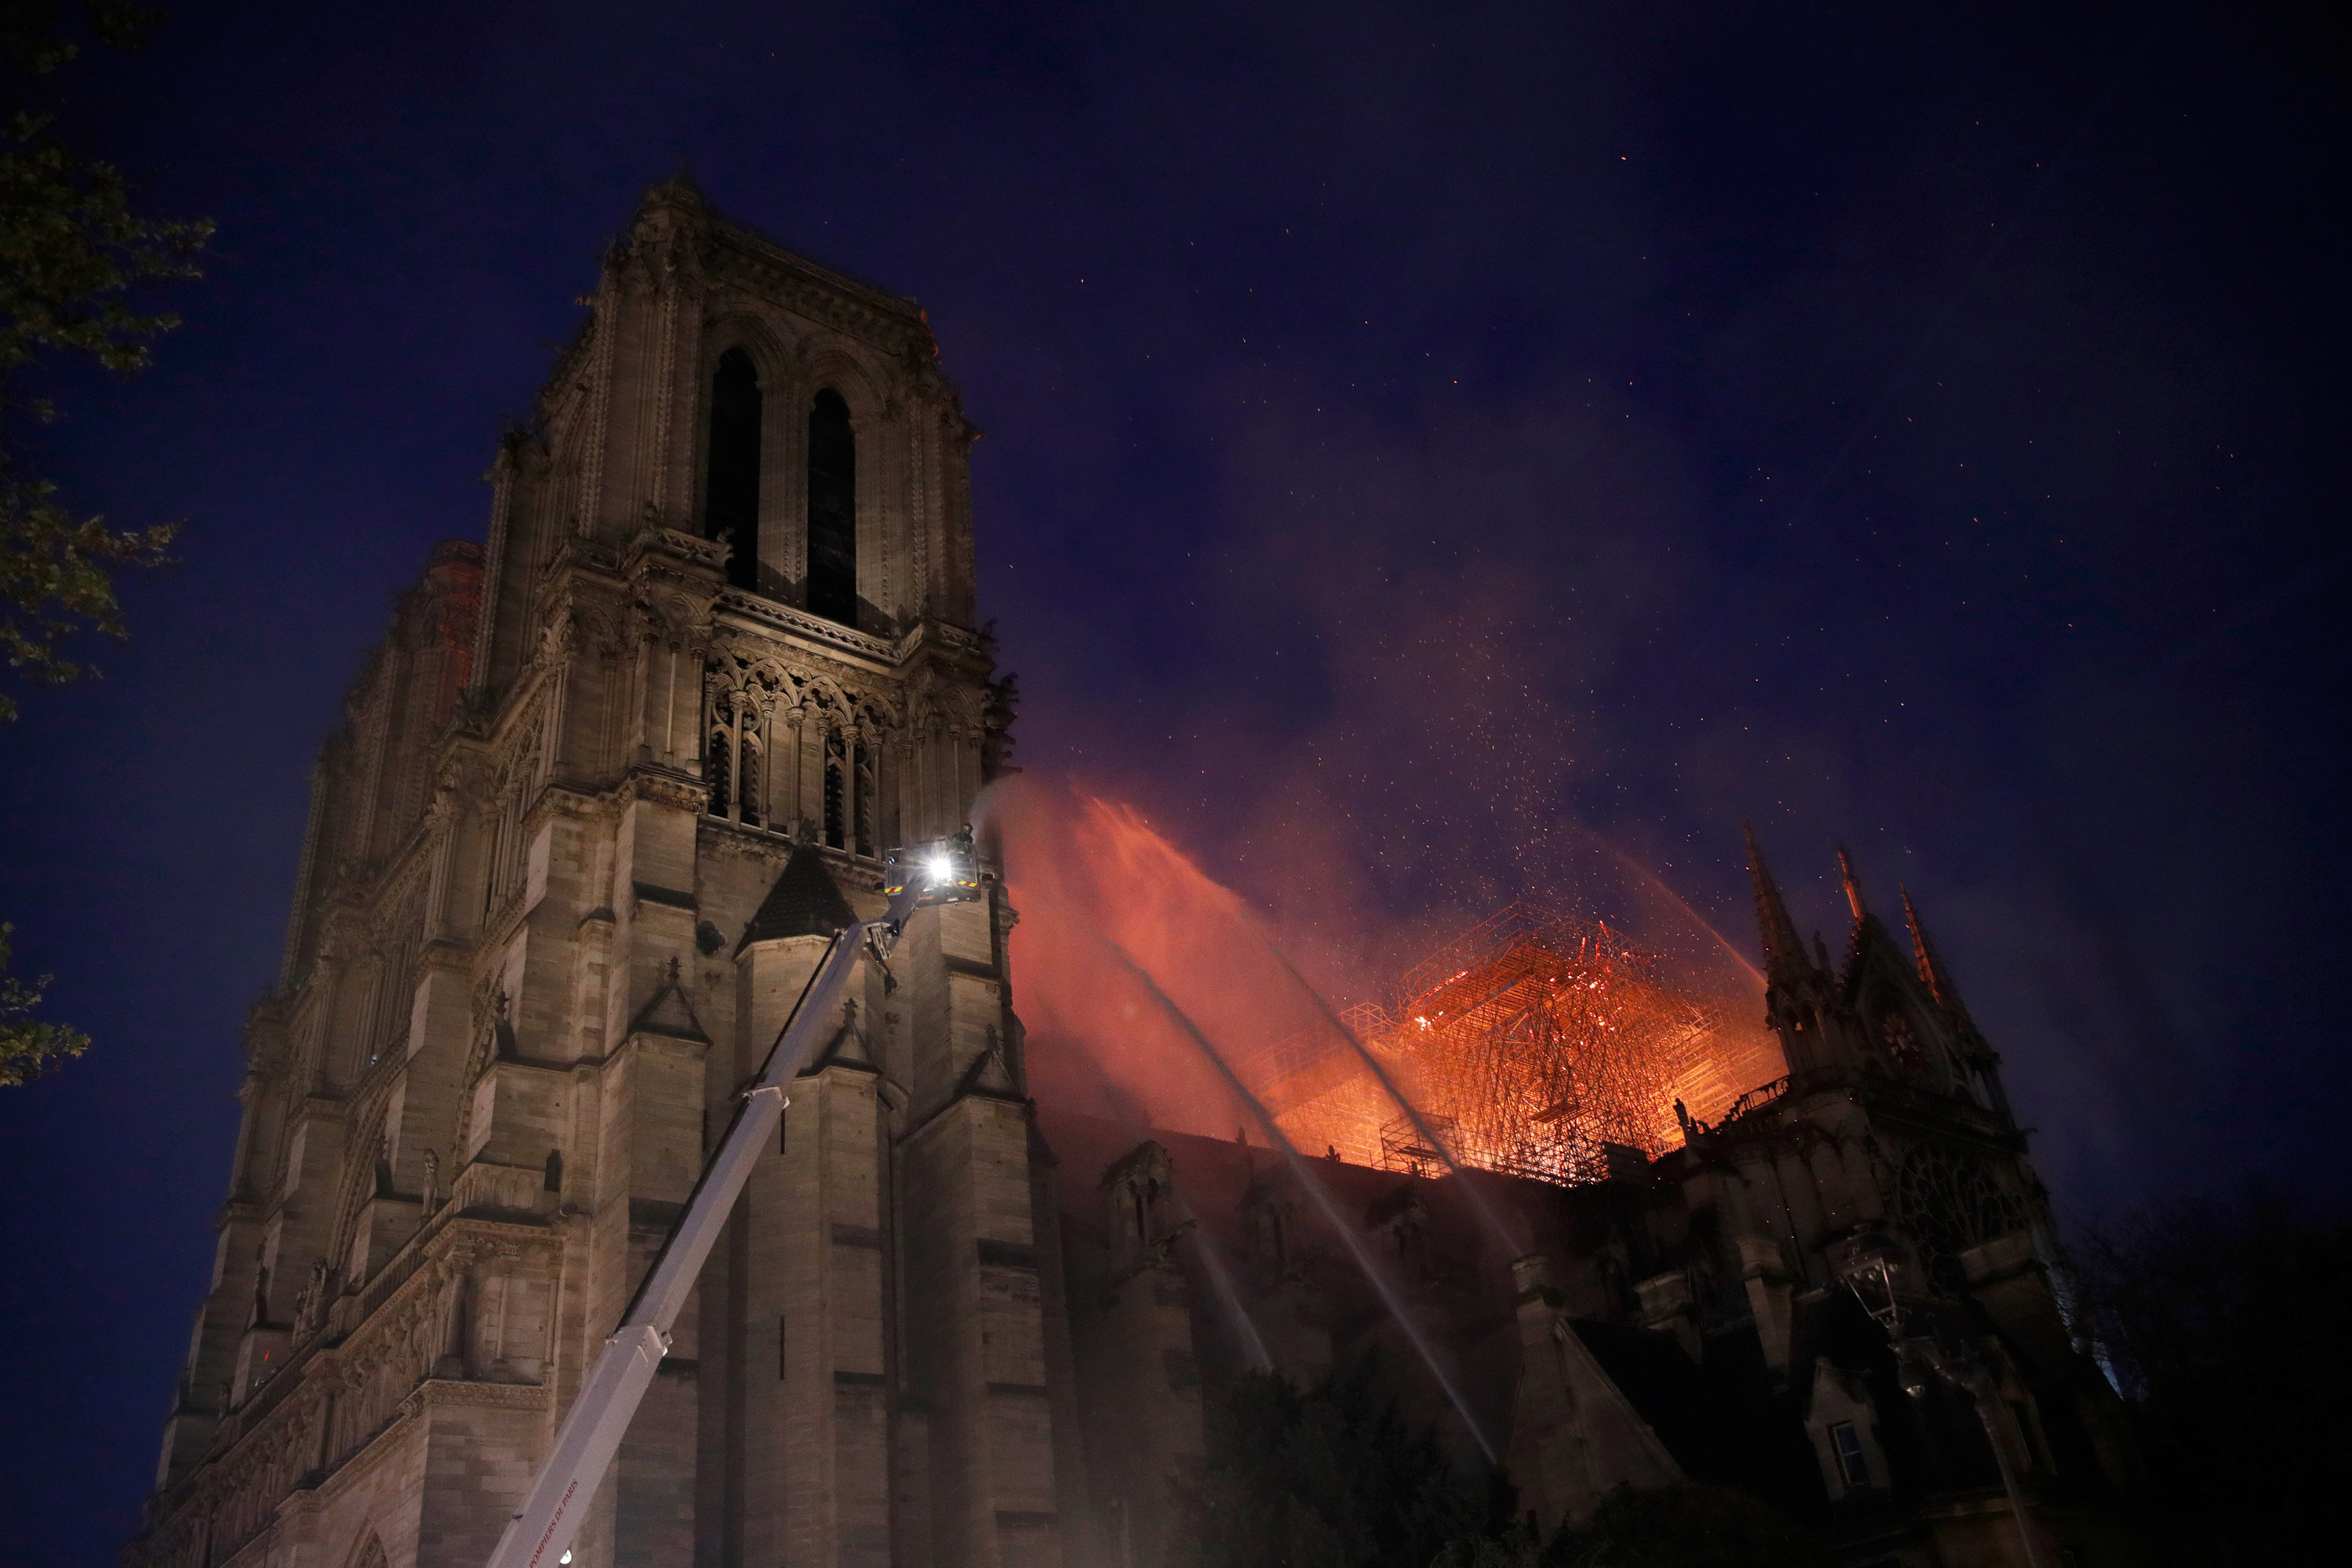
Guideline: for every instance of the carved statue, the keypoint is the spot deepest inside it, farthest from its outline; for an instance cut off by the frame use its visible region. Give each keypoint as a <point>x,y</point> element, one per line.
<point>311,1306</point>
<point>432,1184</point>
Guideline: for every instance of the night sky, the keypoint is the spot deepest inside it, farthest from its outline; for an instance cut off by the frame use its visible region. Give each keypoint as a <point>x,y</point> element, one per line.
<point>1430,450</point>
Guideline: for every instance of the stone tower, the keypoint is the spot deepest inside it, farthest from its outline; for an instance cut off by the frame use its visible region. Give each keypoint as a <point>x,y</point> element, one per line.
<point>595,807</point>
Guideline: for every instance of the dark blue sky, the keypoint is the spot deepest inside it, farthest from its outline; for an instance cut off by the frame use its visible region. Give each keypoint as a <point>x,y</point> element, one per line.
<point>1423,443</point>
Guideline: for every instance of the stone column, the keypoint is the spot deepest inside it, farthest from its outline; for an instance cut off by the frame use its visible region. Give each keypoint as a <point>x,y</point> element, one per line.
<point>975,1315</point>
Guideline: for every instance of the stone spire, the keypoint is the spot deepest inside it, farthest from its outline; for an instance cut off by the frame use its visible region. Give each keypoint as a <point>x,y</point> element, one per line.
<point>678,190</point>
<point>1852,883</point>
<point>1784,950</point>
<point>1933,972</point>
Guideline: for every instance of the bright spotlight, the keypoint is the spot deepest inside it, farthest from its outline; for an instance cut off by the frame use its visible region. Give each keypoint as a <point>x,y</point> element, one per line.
<point>940,868</point>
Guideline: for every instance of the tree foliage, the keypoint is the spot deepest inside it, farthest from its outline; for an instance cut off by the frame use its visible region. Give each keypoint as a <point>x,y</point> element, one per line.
<point>2228,1321</point>
<point>1335,1477</point>
<point>74,250</point>
<point>1331,1477</point>
<point>1688,1526</point>
<point>28,1046</point>
<point>1685,1526</point>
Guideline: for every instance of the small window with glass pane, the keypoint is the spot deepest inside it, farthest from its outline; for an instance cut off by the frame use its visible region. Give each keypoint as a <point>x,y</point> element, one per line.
<point>1853,1465</point>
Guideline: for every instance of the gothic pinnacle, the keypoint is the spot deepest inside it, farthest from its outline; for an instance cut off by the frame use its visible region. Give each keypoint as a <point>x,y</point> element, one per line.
<point>1782,945</point>
<point>1933,973</point>
<point>681,181</point>
<point>1852,887</point>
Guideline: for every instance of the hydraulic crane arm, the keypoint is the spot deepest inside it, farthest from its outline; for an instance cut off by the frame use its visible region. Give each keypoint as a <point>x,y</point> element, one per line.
<point>541,1534</point>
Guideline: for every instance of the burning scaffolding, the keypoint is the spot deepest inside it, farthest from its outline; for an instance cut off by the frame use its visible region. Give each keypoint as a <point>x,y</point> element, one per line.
<point>1532,1044</point>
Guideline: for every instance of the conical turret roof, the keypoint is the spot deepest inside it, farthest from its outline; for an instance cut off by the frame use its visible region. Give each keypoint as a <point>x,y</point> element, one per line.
<point>805,901</point>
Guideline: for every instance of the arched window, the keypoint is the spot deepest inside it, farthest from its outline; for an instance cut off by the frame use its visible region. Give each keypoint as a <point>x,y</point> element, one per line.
<point>732,495</point>
<point>718,768</point>
<point>1268,1229</point>
<point>730,760</point>
<point>747,776</point>
<point>553,1180</point>
<point>836,763</point>
<point>864,812</point>
<point>832,510</point>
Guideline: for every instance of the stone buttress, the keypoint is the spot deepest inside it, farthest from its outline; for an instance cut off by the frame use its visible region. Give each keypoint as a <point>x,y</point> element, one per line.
<point>592,817</point>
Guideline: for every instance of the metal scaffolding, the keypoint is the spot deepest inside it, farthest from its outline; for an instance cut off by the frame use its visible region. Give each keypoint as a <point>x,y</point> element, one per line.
<point>1529,1044</point>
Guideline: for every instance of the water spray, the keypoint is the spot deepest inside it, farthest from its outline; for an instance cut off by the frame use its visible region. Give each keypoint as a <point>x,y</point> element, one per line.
<point>1222,1278</point>
<point>1511,1246</point>
<point>1315,1188</point>
<point>1731,950</point>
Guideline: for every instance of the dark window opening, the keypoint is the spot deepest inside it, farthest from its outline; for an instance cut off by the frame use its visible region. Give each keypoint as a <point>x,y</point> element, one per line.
<point>555,1182</point>
<point>731,494</point>
<point>747,782</point>
<point>716,772</point>
<point>1269,1236</point>
<point>864,813</point>
<point>1853,1465</point>
<point>835,795</point>
<point>832,511</point>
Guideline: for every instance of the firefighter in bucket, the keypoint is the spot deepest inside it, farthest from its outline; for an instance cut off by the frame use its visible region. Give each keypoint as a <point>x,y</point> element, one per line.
<point>944,871</point>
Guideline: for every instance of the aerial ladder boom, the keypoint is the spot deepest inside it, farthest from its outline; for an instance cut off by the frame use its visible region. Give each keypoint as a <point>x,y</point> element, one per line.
<point>541,1534</point>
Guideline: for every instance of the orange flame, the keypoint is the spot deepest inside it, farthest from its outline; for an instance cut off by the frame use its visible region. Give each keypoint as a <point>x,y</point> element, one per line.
<point>1529,1044</point>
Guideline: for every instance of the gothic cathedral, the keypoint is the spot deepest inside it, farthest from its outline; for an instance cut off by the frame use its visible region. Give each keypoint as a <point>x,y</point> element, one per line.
<point>596,809</point>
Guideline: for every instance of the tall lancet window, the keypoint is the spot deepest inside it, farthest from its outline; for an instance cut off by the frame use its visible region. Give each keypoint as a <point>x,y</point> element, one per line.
<point>864,812</point>
<point>731,763</point>
<point>718,768</point>
<point>746,775</point>
<point>732,495</point>
<point>832,510</point>
<point>837,764</point>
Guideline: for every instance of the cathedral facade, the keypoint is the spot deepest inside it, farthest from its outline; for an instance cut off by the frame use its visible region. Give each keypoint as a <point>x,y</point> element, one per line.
<point>596,807</point>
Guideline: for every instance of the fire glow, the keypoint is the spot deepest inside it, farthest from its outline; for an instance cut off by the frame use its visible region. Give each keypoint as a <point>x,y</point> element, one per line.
<point>1530,1044</point>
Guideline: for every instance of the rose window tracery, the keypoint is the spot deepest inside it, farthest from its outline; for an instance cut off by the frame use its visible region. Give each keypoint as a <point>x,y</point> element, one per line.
<point>1900,1042</point>
<point>1947,1202</point>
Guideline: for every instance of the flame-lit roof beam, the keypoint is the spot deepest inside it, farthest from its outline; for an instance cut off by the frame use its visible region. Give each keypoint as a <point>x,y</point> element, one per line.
<point>1540,1040</point>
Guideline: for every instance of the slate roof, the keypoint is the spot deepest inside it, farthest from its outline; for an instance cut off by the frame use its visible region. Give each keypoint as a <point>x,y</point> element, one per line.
<point>1666,1390</point>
